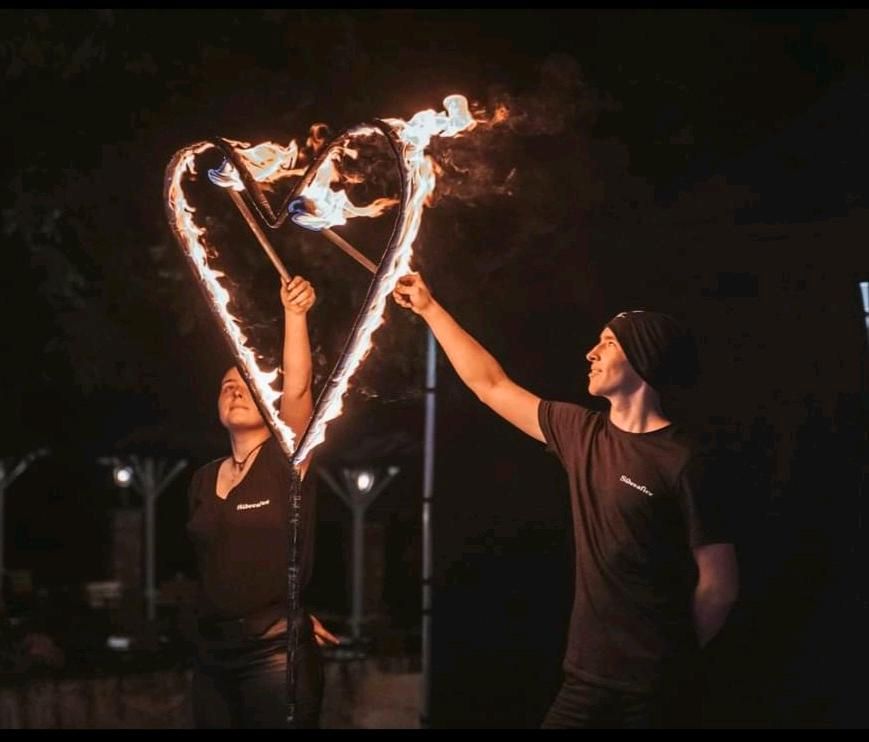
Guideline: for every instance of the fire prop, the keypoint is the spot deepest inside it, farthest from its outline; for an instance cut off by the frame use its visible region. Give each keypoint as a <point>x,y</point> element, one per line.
<point>314,205</point>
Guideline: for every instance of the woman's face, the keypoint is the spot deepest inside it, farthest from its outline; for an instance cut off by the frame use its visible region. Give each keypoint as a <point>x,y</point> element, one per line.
<point>235,405</point>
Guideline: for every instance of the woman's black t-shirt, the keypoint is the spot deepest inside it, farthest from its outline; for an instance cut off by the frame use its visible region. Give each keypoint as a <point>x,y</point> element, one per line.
<point>242,541</point>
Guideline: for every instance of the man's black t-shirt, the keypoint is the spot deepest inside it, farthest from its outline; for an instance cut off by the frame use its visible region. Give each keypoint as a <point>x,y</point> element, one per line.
<point>640,505</point>
<point>242,541</point>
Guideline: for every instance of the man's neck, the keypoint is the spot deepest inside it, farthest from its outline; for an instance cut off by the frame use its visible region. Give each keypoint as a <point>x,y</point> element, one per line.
<point>638,411</point>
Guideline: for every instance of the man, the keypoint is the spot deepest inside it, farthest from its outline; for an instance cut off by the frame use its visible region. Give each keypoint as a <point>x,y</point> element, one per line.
<point>656,574</point>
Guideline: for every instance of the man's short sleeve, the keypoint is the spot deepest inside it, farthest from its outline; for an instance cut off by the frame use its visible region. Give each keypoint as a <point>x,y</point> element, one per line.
<point>562,424</point>
<point>704,503</point>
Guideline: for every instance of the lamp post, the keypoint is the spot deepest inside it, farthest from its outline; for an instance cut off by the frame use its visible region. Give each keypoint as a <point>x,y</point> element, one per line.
<point>864,295</point>
<point>8,474</point>
<point>149,477</point>
<point>427,498</point>
<point>361,488</point>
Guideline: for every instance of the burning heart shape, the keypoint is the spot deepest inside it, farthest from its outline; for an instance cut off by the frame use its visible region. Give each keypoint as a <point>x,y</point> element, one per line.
<point>312,204</point>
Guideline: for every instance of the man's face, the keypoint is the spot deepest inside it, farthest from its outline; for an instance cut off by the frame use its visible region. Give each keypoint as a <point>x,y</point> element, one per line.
<point>611,373</point>
<point>235,405</point>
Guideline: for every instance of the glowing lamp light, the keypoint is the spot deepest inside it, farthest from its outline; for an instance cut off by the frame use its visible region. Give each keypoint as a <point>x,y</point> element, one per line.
<point>123,476</point>
<point>364,481</point>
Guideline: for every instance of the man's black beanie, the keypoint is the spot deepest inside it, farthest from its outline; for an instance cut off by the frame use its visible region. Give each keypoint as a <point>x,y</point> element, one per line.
<point>661,350</point>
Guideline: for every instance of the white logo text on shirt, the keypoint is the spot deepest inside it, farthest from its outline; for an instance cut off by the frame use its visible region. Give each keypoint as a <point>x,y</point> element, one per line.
<point>641,487</point>
<point>250,505</point>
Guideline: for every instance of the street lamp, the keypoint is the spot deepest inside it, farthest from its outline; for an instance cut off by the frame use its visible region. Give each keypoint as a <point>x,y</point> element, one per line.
<point>148,477</point>
<point>361,488</point>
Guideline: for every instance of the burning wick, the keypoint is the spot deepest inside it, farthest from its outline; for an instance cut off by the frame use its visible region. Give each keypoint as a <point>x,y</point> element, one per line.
<point>303,212</point>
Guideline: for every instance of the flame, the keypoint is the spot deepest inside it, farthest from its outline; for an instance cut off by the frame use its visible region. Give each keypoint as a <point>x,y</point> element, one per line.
<point>414,136</point>
<point>267,163</point>
<point>320,207</point>
<point>191,241</point>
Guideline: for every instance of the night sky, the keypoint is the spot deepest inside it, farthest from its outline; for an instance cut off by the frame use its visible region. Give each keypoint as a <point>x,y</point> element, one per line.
<point>708,164</point>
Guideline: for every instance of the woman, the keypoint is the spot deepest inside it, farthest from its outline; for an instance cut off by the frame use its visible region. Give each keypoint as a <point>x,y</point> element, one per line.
<point>238,523</point>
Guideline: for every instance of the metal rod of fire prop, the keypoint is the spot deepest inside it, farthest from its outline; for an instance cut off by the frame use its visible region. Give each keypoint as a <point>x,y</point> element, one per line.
<point>340,242</point>
<point>294,616</point>
<point>303,205</point>
<point>329,234</point>
<point>258,232</point>
<point>333,237</point>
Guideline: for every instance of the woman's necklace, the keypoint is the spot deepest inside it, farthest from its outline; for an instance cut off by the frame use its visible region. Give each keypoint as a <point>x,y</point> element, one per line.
<point>239,465</point>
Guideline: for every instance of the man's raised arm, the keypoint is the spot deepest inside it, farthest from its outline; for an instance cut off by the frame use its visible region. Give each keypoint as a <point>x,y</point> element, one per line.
<point>473,363</point>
